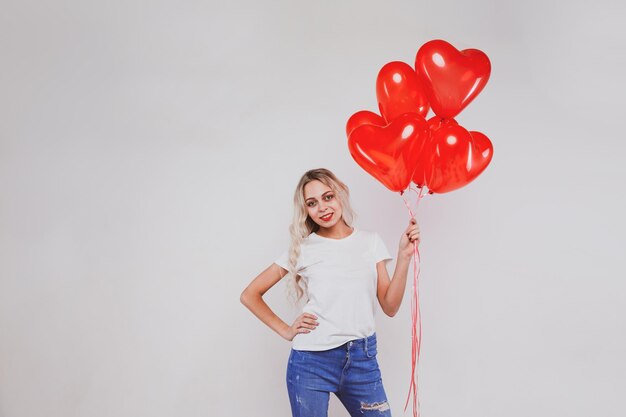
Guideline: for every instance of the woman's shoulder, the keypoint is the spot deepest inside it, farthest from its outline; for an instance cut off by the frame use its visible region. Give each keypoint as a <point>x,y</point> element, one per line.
<point>367,232</point>
<point>372,236</point>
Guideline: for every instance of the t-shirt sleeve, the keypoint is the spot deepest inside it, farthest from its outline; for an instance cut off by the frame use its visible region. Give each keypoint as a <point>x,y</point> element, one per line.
<point>380,249</point>
<point>283,260</point>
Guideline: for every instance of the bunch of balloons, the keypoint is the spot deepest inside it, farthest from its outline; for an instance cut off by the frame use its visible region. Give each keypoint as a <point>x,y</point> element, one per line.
<point>400,145</point>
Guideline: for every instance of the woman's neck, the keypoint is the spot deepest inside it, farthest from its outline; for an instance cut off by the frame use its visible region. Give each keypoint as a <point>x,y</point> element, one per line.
<point>338,231</point>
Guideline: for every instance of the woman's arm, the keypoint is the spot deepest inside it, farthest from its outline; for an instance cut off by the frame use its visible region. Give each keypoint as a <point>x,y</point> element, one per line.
<point>391,292</point>
<point>252,298</point>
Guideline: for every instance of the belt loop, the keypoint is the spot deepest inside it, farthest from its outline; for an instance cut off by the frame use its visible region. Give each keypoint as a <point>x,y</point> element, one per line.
<point>366,345</point>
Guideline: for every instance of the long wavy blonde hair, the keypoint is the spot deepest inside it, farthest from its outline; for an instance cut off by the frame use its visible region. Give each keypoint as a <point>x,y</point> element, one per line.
<point>302,225</point>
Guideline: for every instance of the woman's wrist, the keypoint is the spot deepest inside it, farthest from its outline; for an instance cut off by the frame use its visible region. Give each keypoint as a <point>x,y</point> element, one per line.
<point>283,329</point>
<point>404,256</point>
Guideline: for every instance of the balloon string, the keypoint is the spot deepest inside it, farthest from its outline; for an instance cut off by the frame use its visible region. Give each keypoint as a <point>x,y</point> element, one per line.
<point>416,339</point>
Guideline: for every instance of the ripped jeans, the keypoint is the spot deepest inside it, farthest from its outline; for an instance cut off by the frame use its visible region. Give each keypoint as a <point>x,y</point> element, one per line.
<point>350,371</point>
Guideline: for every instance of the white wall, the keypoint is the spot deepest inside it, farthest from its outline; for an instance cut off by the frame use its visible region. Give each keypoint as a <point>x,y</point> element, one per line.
<point>148,156</point>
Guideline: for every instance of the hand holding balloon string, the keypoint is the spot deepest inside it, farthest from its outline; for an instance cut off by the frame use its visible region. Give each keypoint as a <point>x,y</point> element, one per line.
<point>410,239</point>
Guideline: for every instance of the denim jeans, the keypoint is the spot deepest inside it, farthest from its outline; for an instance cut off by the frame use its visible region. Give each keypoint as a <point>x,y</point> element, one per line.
<point>350,371</point>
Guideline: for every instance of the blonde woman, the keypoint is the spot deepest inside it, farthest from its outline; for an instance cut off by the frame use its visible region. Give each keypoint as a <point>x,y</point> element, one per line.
<point>340,271</point>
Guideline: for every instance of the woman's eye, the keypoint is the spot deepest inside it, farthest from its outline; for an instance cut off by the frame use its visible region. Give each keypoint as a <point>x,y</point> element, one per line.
<point>327,197</point>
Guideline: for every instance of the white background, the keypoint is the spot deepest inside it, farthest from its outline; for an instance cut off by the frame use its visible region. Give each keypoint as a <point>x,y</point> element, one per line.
<point>148,155</point>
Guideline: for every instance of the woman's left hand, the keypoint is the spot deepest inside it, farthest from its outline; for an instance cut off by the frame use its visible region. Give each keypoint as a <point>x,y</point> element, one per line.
<point>409,239</point>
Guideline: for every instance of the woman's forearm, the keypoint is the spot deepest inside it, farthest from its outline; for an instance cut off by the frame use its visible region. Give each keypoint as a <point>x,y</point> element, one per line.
<point>256,304</point>
<point>395,292</point>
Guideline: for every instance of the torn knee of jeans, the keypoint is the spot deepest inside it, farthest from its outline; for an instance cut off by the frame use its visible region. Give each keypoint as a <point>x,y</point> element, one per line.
<point>375,406</point>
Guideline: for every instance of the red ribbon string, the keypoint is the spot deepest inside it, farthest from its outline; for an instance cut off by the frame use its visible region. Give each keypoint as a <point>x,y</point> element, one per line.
<point>416,336</point>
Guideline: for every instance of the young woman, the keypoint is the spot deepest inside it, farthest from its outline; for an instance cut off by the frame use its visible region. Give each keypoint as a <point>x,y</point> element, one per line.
<point>341,270</point>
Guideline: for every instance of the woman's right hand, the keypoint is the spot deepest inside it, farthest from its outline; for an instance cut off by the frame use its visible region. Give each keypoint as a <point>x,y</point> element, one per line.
<point>303,324</point>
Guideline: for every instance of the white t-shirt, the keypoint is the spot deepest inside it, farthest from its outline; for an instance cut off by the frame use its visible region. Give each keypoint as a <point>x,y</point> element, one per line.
<point>342,281</point>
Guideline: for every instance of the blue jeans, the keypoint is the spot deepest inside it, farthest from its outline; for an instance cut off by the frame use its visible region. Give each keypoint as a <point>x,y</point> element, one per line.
<point>350,371</point>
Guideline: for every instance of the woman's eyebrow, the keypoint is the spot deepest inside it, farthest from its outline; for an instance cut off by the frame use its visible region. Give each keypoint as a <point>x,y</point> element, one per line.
<point>313,198</point>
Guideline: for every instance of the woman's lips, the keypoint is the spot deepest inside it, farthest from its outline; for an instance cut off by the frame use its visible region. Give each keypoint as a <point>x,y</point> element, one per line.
<point>330,216</point>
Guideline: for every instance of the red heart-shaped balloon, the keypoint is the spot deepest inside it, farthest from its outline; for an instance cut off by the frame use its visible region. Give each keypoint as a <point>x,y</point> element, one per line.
<point>457,157</point>
<point>423,163</point>
<point>482,153</point>
<point>363,117</point>
<point>452,78</point>
<point>436,122</point>
<point>399,90</point>
<point>389,153</point>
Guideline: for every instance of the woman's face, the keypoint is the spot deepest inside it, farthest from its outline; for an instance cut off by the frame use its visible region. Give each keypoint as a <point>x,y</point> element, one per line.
<point>322,204</point>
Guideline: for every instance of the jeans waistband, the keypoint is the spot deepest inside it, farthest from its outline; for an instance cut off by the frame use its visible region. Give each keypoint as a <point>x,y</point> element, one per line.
<point>361,342</point>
